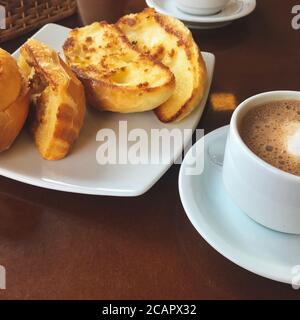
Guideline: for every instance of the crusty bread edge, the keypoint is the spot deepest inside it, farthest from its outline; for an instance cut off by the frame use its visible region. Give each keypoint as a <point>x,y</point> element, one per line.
<point>62,131</point>
<point>200,75</point>
<point>172,26</point>
<point>194,100</point>
<point>11,80</point>
<point>17,114</point>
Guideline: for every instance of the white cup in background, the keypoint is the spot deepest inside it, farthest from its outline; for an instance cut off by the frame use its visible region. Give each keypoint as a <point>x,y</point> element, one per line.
<point>268,195</point>
<point>201,7</point>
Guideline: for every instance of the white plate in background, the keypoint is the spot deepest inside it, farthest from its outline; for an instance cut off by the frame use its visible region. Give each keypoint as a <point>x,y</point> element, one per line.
<point>234,10</point>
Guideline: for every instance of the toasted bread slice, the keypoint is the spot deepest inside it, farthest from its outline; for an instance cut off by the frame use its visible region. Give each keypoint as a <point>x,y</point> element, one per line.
<point>170,42</point>
<point>58,100</point>
<point>116,76</point>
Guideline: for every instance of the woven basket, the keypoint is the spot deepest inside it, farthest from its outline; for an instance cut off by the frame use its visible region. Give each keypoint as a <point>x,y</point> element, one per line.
<point>25,15</point>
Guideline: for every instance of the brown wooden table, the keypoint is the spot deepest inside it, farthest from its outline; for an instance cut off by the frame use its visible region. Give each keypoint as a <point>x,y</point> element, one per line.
<point>69,246</point>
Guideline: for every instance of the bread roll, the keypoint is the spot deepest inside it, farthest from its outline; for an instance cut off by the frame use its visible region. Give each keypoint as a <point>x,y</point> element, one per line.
<point>14,100</point>
<point>10,80</point>
<point>12,119</point>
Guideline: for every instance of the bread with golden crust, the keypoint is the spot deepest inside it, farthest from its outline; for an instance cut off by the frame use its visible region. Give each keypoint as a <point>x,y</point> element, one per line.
<point>14,100</point>
<point>58,100</point>
<point>117,77</point>
<point>170,42</point>
<point>10,80</point>
<point>12,119</point>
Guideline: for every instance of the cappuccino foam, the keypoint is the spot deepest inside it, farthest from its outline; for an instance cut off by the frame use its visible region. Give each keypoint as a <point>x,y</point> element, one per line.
<point>272,132</point>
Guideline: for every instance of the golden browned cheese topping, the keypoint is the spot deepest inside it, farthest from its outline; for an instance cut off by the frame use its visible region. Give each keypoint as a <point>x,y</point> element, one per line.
<point>101,51</point>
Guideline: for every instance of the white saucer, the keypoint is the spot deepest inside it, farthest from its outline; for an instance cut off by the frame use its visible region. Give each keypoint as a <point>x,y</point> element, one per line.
<point>205,26</point>
<point>225,227</point>
<point>234,10</point>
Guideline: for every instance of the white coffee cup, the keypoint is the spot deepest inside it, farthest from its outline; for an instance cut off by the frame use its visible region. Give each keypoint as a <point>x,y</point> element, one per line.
<point>201,7</point>
<point>268,195</point>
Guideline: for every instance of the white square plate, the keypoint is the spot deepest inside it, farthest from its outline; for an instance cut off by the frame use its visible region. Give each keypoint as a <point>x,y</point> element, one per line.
<point>80,172</point>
